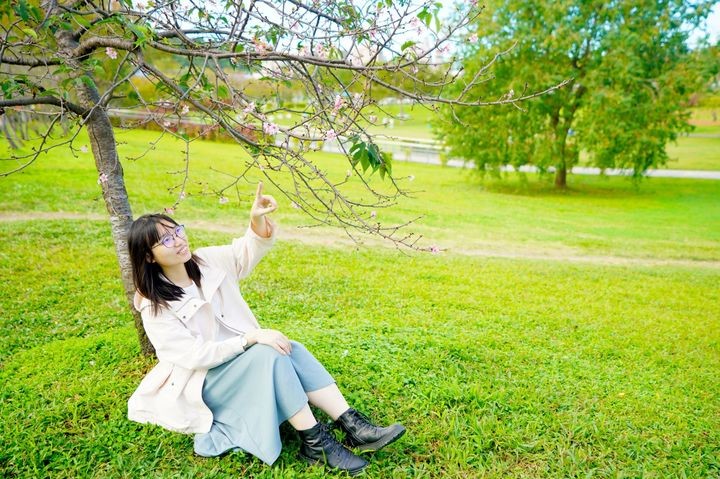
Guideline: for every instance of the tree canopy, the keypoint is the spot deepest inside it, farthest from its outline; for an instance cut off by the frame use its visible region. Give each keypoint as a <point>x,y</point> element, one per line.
<point>315,64</point>
<point>631,75</point>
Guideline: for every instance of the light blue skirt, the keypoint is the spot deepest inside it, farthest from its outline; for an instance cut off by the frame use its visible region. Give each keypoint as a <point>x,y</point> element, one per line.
<point>252,394</point>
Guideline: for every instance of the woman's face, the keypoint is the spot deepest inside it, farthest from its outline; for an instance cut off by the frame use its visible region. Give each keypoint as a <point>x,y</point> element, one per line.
<point>173,248</point>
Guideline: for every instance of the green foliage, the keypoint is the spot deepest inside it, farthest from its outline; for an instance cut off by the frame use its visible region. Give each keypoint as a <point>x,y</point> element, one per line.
<point>368,155</point>
<point>632,77</point>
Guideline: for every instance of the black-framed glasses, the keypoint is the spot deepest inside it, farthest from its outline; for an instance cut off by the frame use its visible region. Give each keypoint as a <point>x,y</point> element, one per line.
<point>168,240</point>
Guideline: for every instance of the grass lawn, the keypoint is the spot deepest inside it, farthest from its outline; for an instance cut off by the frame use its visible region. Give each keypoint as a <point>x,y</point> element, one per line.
<point>695,153</point>
<point>659,219</point>
<point>499,368</point>
<point>519,367</point>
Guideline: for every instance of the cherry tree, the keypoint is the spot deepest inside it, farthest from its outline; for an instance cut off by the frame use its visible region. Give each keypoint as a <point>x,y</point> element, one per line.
<point>72,62</point>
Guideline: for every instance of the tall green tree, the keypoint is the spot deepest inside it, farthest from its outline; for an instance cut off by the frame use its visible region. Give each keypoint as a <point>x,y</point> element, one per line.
<point>631,73</point>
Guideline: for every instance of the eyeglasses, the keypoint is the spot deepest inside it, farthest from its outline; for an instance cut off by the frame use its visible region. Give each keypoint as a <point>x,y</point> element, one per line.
<point>168,240</point>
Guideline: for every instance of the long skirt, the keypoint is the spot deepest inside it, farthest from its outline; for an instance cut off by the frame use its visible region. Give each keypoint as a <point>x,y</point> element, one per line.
<point>252,394</point>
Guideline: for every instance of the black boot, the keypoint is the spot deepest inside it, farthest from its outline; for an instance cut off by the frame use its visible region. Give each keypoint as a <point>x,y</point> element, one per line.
<point>364,435</point>
<point>320,447</point>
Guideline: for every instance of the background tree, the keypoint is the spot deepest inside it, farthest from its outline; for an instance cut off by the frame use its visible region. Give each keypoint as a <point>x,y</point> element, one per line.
<point>71,61</point>
<point>631,73</point>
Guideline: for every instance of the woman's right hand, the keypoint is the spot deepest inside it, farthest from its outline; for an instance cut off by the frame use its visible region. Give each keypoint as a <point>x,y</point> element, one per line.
<point>270,337</point>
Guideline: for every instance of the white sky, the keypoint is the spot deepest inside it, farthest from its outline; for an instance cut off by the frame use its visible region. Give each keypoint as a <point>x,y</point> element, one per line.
<point>712,26</point>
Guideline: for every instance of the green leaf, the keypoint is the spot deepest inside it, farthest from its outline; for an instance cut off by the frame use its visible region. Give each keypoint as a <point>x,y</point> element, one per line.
<point>407,45</point>
<point>83,21</point>
<point>87,81</point>
<point>365,162</point>
<point>31,32</point>
<point>36,13</point>
<point>425,16</point>
<point>21,10</point>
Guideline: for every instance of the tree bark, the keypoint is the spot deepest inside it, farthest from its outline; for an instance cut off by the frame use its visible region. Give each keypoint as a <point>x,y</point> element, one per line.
<point>561,176</point>
<point>110,171</point>
<point>110,174</point>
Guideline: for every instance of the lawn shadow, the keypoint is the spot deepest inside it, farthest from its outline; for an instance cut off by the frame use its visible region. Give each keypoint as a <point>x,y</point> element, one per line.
<point>578,186</point>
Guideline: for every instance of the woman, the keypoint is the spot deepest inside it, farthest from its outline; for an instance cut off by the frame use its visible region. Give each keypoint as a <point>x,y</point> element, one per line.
<point>220,375</point>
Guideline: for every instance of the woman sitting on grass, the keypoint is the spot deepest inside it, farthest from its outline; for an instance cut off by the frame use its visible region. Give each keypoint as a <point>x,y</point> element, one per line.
<point>220,375</point>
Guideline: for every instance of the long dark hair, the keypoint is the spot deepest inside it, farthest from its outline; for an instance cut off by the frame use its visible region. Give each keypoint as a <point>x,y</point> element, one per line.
<point>146,274</point>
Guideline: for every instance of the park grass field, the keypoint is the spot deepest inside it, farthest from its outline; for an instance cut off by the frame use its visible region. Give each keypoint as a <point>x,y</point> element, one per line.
<point>656,219</point>
<point>568,334</point>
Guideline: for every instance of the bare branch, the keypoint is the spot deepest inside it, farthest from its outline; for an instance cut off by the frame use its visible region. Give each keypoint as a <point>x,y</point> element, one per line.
<point>45,100</point>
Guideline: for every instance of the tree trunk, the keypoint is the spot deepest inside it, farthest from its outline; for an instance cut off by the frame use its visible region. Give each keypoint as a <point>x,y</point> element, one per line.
<point>102,141</point>
<point>110,174</point>
<point>561,176</point>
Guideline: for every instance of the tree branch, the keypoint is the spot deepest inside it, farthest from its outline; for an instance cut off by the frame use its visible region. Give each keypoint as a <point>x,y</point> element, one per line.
<point>45,100</point>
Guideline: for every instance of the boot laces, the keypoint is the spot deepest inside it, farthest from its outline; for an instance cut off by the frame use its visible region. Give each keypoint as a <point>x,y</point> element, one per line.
<point>328,442</point>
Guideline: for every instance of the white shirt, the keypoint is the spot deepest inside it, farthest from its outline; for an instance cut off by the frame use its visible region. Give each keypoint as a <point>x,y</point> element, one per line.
<point>223,330</point>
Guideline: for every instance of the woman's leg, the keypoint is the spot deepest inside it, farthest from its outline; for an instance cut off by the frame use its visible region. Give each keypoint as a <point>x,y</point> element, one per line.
<point>303,419</point>
<point>330,400</point>
<point>318,384</point>
<point>323,393</point>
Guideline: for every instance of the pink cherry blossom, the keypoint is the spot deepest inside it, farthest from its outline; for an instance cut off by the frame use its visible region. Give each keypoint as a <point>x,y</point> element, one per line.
<point>373,214</point>
<point>185,110</point>
<point>111,52</point>
<point>261,47</point>
<point>223,200</point>
<point>250,107</point>
<point>102,179</point>
<point>473,38</point>
<point>170,211</point>
<point>270,128</point>
<point>434,249</point>
<point>330,135</point>
<point>84,148</point>
<point>338,103</point>
<point>417,25</point>
<point>294,205</point>
<point>411,177</point>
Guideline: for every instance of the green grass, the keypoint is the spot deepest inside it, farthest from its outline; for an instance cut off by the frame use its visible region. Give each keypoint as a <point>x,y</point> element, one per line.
<point>659,219</point>
<point>523,367</point>
<point>499,368</point>
<point>695,153</point>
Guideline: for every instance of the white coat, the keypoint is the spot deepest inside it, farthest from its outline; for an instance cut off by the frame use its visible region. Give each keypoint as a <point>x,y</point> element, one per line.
<point>184,338</point>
